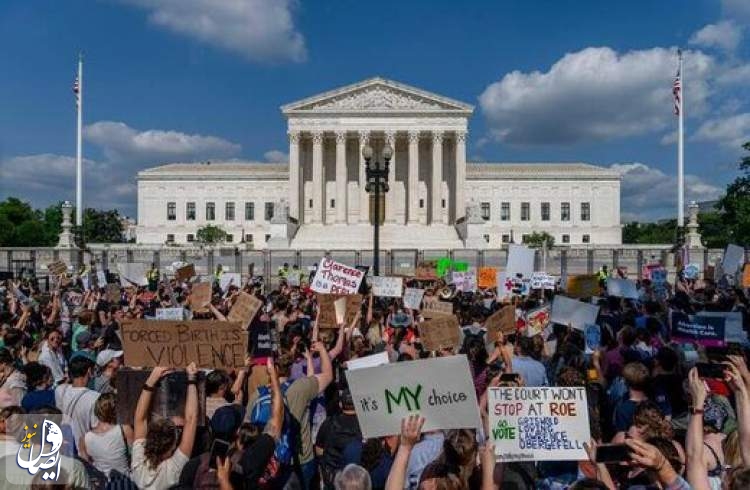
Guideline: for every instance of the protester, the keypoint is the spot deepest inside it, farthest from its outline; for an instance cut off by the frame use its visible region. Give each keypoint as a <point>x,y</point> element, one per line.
<point>107,445</point>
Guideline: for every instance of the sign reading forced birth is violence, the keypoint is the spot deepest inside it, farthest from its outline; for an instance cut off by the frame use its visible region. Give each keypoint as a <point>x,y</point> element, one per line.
<point>208,343</point>
<point>439,389</point>
<point>538,424</point>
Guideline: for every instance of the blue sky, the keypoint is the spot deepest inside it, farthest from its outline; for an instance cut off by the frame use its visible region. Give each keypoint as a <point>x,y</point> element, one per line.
<point>185,80</point>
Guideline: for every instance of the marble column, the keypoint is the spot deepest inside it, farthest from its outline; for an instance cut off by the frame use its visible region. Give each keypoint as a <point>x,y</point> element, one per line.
<point>364,199</point>
<point>317,177</point>
<point>459,199</point>
<point>390,204</point>
<point>413,178</point>
<point>437,176</point>
<point>294,176</point>
<point>341,177</point>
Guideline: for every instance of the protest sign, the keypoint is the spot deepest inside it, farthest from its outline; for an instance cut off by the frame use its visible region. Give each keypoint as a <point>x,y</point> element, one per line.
<point>133,273</point>
<point>542,280</point>
<point>388,287</point>
<point>113,293</point>
<point>413,298</point>
<point>185,273</point>
<point>336,278</point>
<point>73,298</point>
<point>441,332</point>
<point>465,281</point>
<point>703,330</point>
<point>244,309</point>
<point>746,276</point>
<point>486,277</point>
<point>692,271</point>
<point>426,271</point>
<point>520,261</point>
<point>433,307</point>
<point>327,309</point>
<point>261,340</point>
<point>372,360</point>
<point>230,279</point>
<point>57,267</point>
<point>440,390</point>
<point>101,279</point>
<point>659,281</point>
<point>502,321</point>
<point>443,266</point>
<point>734,257</point>
<point>170,314</point>
<point>504,286</point>
<point>593,335</point>
<point>570,311</point>
<point>294,278</point>
<point>624,288</point>
<point>537,320</point>
<point>582,286</point>
<point>733,331</point>
<point>539,424</point>
<point>200,295</point>
<point>208,343</point>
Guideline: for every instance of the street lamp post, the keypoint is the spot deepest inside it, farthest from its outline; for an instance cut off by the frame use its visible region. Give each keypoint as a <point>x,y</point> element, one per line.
<point>377,182</point>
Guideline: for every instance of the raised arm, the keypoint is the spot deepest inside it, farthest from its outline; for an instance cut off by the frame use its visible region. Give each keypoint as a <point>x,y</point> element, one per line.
<point>411,429</point>
<point>239,383</point>
<point>274,426</point>
<point>334,353</point>
<point>696,473</point>
<point>368,318</point>
<point>742,400</point>
<point>326,369</point>
<point>488,466</point>
<point>144,401</point>
<point>217,314</point>
<point>191,411</point>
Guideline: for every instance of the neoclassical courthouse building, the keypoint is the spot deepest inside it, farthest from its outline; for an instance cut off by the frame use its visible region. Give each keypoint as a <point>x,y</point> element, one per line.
<point>436,200</point>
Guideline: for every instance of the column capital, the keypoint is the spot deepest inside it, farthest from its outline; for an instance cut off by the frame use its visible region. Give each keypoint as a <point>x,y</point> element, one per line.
<point>294,136</point>
<point>364,136</point>
<point>413,136</point>
<point>317,137</point>
<point>437,136</point>
<point>390,137</point>
<point>340,136</point>
<point>461,135</point>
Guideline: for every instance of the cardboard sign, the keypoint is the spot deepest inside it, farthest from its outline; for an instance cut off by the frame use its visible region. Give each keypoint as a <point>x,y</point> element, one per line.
<point>502,321</point>
<point>465,281</point>
<point>433,307</point>
<point>230,279</point>
<point>703,330</point>
<point>133,273</point>
<point>582,286</point>
<point>539,424</point>
<point>387,287</point>
<point>170,314</point>
<point>244,309</point>
<point>336,278</point>
<point>542,280</point>
<point>570,311</point>
<point>427,271</point>
<point>593,335</point>
<point>537,320</point>
<point>413,298</point>
<point>734,257</point>
<point>210,344</point>
<point>487,277</point>
<point>372,360</point>
<point>623,288</point>
<point>746,276</point>
<point>113,293</point>
<point>441,332</point>
<point>440,390</point>
<point>184,273</point>
<point>520,260</point>
<point>57,267</point>
<point>200,295</point>
<point>327,309</point>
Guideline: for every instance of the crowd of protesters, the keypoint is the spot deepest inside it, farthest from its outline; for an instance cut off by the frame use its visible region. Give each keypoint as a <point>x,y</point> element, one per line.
<point>289,420</point>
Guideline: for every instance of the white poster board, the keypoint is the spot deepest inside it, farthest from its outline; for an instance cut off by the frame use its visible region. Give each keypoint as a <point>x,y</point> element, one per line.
<point>624,288</point>
<point>734,257</point>
<point>413,298</point>
<point>539,424</point>
<point>520,260</point>
<point>336,278</point>
<point>542,280</point>
<point>387,287</point>
<point>372,360</point>
<point>230,279</point>
<point>170,314</point>
<point>465,281</point>
<point>134,272</point>
<point>439,389</point>
<point>571,311</point>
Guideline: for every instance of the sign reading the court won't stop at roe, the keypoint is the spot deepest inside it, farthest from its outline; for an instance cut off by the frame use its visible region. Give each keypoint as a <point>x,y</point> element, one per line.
<point>439,389</point>
<point>539,424</point>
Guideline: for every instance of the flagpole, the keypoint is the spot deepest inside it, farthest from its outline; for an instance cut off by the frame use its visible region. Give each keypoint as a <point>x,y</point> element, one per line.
<point>680,149</point>
<point>79,147</point>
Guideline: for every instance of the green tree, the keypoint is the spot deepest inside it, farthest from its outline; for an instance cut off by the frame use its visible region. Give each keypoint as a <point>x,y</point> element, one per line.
<point>211,235</point>
<point>736,204</point>
<point>650,233</point>
<point>102,226</point>
<point>714,230</point>
<point>537,239</point>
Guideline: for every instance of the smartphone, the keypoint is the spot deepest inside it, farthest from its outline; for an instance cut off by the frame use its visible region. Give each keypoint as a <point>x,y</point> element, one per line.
<point>710,370</point>
<point>612,453</point>
<point>510,377</point>
<point>219,449</point>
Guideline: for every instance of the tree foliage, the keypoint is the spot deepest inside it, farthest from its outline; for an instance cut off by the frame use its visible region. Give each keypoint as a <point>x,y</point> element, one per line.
<point>736,204</point>
<point>211,235</point>
<point>537,239</point>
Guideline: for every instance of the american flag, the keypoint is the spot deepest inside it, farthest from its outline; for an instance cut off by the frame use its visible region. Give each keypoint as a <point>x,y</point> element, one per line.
<point>677,92</point>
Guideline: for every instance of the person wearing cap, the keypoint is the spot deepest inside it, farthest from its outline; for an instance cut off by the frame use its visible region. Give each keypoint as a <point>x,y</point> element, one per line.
<point>399,328</point>
<point>108,362</point>
<point>75,399</point>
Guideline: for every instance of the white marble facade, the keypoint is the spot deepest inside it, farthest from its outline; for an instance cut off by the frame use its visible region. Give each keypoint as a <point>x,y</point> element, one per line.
<point>431,184</point>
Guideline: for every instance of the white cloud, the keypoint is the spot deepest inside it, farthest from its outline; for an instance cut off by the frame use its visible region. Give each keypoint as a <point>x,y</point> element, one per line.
<point>734,75</point>
<point>725,35</point>
<point>121,142</point>
<point>276,156</point>
<point>669,139</point>
<point>731,132</point>
<point>593,95</point>
<point>259,30</point>
<point>648,193</point>
<point>736,9</point>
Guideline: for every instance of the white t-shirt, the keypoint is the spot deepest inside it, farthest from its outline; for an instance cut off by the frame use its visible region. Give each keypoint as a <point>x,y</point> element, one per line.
<point>164,476</point>
<point>78,404</point>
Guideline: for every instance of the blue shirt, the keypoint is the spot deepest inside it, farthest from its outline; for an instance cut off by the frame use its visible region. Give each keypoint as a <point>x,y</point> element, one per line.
<point>37,399</point>
<point>531,370</point>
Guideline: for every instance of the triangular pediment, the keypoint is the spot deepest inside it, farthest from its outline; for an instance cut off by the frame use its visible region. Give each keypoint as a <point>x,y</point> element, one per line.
<point>377,95</point>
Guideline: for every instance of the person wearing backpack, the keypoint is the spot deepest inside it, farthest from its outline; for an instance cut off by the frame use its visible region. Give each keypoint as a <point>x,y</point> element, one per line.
<point>334,436</point>
<point>294,450</point>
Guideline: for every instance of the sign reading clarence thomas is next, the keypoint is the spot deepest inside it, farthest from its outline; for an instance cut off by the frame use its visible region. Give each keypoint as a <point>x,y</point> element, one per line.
<point>336,278</point>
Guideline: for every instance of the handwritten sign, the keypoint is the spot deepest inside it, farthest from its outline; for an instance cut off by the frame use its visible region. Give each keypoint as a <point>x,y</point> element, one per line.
<point>244,309</point>
<point>327,309</point>
<point>570,311</point>
<point>210,344</point>
<point>542,280</point>
<point>434,307</point>
<point>465,281</point>
<point>537,320</point>
<point>623,288</point>
<point>487,277</point>
<point>336,278</point>
<point>502,321</point>
<point>439,389</point>
<point>387,287</point>
<point>440,333</point>
<point>184,273</point>
<point>200,295</point>
<point>230,279</point>
<point>704,330</point>
<point>583,286</point>
<point>413,298</point>
<point>57,267</point>
<point>538,424</point>
<point>170,314</point>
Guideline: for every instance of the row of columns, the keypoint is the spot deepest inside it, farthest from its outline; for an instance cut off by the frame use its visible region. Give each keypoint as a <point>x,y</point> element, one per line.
<point>318,208</point>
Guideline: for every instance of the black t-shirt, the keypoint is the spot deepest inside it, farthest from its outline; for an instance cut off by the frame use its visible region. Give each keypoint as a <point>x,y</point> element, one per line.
<point>334,435</point>
<point>255,459</point>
